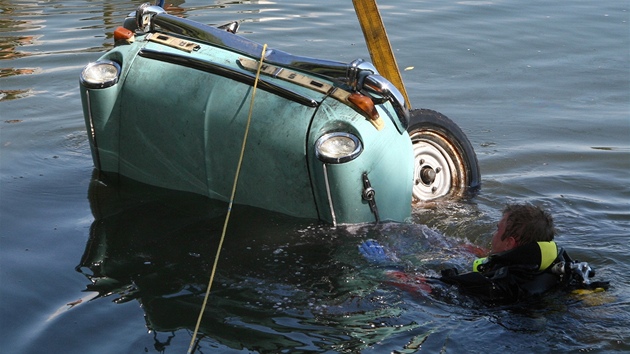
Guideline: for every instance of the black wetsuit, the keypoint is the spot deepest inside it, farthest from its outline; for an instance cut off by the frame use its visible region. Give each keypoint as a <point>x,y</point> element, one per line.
<point>526,271</point>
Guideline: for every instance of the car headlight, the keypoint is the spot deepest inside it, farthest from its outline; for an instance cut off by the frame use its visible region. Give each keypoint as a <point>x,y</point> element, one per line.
<point>100,74</point>
<point>338,147</point>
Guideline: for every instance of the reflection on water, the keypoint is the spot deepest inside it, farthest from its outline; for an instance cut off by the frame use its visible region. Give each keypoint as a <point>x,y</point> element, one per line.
<point>157,247</point>
<point>29,29</point>
<point>9,50</point>
<point>282,283</point>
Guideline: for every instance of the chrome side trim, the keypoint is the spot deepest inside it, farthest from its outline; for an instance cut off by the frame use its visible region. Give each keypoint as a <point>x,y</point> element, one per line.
<point>230,73</point>
<point>330,202</point>
<point>97,157</point>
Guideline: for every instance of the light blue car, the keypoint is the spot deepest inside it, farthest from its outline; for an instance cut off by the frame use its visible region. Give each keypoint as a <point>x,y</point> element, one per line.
<point>171,104</point>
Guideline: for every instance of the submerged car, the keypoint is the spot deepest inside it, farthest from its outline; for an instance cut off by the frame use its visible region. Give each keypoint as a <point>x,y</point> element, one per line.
<point>190,107</point>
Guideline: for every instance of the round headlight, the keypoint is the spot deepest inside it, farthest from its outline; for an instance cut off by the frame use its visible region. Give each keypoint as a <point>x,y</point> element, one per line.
<point>338,147</point>
<point>100,74</point>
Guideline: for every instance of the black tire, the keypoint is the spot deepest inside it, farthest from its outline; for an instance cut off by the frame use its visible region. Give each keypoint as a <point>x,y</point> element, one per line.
<point>445,163</point>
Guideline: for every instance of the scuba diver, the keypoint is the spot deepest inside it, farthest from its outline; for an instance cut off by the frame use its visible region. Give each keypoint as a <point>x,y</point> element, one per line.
<point>524,261</point>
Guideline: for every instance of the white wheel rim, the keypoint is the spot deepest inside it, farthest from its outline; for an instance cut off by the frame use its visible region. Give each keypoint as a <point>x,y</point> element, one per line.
<point>432,171</point>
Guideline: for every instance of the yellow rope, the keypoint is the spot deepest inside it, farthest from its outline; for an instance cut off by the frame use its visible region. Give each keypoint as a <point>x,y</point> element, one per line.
<point>227,217</point>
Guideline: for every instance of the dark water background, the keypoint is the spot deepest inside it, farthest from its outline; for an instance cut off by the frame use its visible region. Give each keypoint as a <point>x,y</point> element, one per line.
<point>541,88</point>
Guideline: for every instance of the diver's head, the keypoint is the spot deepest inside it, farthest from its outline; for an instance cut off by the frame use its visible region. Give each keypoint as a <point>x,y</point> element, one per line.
<point>522,224</point>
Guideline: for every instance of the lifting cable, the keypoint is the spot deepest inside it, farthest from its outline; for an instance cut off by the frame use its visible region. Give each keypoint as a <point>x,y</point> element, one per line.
<point>378,44</point>
<point>227,217</point>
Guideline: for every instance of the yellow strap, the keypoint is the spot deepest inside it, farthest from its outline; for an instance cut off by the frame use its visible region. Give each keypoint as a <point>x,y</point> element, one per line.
<point>477,262</point>
<point>548,253</point>
<point>227,217</point>
<point>378,44</point>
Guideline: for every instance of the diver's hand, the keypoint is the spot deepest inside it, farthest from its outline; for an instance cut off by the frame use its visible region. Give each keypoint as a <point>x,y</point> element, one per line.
<point>374,252</point>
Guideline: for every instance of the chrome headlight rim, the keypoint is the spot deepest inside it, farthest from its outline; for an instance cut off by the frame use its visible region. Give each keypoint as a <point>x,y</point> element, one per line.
<point>342,156</point>
<point>91,79</point>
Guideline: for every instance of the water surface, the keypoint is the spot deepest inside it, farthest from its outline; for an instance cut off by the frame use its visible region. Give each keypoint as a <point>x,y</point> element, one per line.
<point>542,89</point>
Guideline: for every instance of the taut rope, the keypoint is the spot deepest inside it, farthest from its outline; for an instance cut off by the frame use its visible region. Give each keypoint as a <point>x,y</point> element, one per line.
<point>227,217</point>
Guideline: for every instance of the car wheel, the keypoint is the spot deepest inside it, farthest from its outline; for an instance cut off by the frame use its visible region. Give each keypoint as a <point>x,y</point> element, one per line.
<point>445,163</point>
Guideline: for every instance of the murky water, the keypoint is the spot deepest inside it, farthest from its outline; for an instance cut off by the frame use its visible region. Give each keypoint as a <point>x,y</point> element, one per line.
<point>542,89</point>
